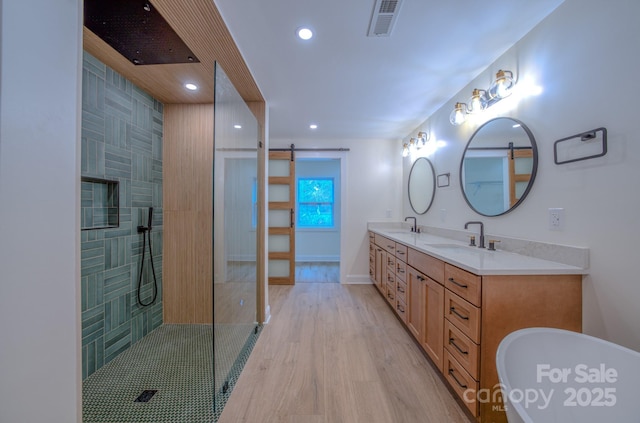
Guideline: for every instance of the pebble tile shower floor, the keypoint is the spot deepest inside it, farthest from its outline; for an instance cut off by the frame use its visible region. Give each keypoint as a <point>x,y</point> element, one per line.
<point>175,360</point>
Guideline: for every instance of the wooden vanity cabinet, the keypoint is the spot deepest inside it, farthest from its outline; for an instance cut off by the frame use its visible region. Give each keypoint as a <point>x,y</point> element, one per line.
<point>401,281</point>
<point>377,264</point>
<point>481,310</point>
<point>372,257</point>
<point>389,271</point>
<point>512,302</point>
<point>459,318</point>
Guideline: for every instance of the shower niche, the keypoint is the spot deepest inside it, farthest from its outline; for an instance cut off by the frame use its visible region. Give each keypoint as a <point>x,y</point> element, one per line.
<point>99,203</point>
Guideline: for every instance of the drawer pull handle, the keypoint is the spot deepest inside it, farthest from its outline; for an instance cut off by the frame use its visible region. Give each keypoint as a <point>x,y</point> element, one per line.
<point>457,347</point>
<point>453,281</point>
<point>390,246</point>
<point>400,289</point>
<point>420,278</point>
<point>454,311</point>
<point>400,308</point>
<point>456,379</point>
<point>400,252</point>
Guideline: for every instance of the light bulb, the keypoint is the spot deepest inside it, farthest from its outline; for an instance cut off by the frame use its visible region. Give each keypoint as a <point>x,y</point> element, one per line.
<point>412,146</point>
<point>405,149</point>
<point>502,86</point>
<point>457,116</point>
<point>476,103</point>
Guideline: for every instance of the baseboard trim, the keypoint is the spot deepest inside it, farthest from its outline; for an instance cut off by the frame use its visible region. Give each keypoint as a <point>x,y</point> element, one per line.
<point>358,280</point>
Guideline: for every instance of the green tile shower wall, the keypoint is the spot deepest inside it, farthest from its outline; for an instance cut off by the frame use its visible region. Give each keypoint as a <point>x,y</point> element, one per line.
<point>121,140</point>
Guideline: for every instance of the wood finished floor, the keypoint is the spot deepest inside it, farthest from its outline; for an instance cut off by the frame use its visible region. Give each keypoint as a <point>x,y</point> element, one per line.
<point>336,353</point>
<point>306,271</point>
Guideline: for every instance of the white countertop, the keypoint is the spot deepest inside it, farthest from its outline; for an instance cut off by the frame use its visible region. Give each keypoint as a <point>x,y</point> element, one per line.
<point>480,261</point>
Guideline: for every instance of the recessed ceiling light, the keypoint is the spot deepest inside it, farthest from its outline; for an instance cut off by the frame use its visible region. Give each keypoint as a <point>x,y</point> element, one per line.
<point>313,126</point>
<point>191,87</point>
<point>237,126</point>
<point>304,33</point>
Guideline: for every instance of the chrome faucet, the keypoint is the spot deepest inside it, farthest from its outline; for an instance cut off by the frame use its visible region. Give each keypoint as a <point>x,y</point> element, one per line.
<point>414,228</point>
<point>466,225</point>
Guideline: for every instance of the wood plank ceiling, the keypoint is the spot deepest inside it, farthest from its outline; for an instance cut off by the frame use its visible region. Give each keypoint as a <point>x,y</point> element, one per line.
<point>201,27</point>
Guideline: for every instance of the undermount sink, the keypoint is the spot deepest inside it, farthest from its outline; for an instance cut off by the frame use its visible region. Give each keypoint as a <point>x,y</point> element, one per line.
<point>453,248</point>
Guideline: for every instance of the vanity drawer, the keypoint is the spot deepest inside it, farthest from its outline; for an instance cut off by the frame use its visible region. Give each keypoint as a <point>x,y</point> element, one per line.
<point>401,270</point>
<point>401,290</point>
<point>465,284</point>
<point>464,315</point>
<point>426,264</point>
<point>462,383</point>
<point>386,243</point>
<point>463,349</point>
<point>401,309</point>
<point>391,263</point>
<point>401,252</point>
<point>391,293</point>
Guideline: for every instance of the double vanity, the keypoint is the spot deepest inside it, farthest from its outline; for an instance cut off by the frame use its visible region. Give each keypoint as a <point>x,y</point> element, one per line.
<point>459,302</point>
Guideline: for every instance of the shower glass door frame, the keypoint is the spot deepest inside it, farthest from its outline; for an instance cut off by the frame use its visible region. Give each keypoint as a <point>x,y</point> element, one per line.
<point>235,237</point>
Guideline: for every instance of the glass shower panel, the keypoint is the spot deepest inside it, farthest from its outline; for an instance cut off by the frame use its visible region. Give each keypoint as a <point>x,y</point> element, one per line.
<point>234,237</point>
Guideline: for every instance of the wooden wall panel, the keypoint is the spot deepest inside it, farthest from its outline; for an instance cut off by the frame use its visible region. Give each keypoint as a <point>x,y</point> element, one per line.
<point>188,213</point>
<point>200,25</point>
<point>259,109</point>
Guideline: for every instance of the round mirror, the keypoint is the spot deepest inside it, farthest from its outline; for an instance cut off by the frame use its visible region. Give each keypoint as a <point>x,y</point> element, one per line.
<point>498,166</point>
<point>422,185</point>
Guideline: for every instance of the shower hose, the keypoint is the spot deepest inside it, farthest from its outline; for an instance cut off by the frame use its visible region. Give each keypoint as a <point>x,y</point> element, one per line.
<point>146,232</point>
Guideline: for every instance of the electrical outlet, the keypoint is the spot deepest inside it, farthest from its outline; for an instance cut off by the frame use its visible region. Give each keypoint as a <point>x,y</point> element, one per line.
<point>556,219</point>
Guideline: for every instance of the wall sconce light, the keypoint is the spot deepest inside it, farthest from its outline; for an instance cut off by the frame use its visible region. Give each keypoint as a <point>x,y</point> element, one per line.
<point>422,140</point>
<point>503,85</point>
<point>409,148</point>
<point>458,115</point>
<point>480,100</point>
<point>415,144</point>
<point>405,149</point>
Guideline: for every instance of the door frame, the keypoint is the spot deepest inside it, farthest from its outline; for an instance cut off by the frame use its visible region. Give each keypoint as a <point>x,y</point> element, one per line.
<point>342,156</point>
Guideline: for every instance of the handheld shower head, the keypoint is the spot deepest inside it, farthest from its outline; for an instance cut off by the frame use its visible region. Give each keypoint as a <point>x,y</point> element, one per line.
<point>150,219</point>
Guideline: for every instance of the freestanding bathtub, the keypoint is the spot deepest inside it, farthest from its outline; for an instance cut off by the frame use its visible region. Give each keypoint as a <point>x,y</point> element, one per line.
<point>552,375</point>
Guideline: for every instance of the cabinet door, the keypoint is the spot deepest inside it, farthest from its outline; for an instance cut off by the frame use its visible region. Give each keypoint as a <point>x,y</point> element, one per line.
<point>432,340</point>
<point>381,265</point>
<point>416,295</point>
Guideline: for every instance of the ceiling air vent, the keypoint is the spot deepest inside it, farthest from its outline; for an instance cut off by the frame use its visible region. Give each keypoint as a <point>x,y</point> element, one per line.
<point>384,17</point>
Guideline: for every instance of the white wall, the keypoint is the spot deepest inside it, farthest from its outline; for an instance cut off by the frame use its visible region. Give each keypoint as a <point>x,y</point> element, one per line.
<point>583,57</point>
<point>372,191</point>
<point>41,66</point>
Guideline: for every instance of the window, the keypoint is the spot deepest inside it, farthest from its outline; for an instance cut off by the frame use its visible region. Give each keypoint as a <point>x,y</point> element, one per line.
<point>315,203</point>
